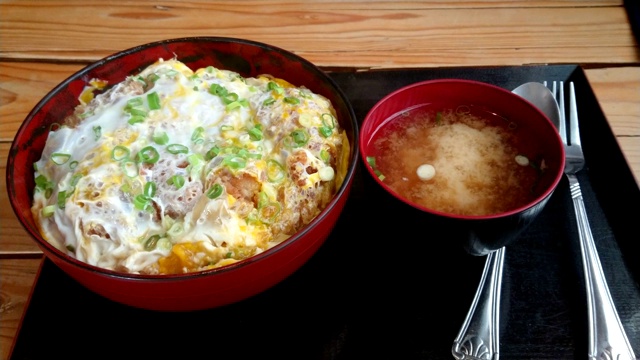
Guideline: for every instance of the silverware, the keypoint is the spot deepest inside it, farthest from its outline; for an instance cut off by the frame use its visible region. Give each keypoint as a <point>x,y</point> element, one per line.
<point>479,336</point>
<point>607,337</point>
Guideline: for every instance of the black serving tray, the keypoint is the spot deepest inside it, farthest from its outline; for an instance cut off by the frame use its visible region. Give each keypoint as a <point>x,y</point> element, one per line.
<point>384,286</point>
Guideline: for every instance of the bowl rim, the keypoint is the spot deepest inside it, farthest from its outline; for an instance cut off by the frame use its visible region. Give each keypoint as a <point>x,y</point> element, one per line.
<point>340,194</point>
<point>491,87</point>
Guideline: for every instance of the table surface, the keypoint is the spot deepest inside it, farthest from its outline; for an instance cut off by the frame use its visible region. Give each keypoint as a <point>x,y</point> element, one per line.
<point>44,42</point>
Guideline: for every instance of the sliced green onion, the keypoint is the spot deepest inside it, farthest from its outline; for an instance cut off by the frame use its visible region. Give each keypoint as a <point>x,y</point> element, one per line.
<point>198,135</point>
<point>42,183</point>
<point>120,153</point>
<point>134,102</point>
<point>214,191</point>
<point>136,119</point>
<point>300,137</point>
<point>269,101</point>
<point>74,179</point>
<point>161,139</point>
<point>275,171</point>
<point>196,163</point>
<point>135,108</point>
<point>151,242</point>
<point>226,128</point>
<point>229,98</point>
<point>60,158</point>
<point>269,212</point>
<point>236,104</point>
<point>328,124</point>
<point>275,87</point>
<point>255,133</point>
<point>263,199</point>
<point>148,155</point>
<point>235,162</point>
<point>97,132</point>
<point>371,161</point>
<point>62,198</point>
<point>177,149</point>
<point>325,131</point>
<point>328,120</point>
<point>213,152</point>
<point>324,155</point>
<point>292,100</point>
<point>130,168</point>
<point>142,202</point>
<point>217,89</point>
<point>176,229</point>
<point>150,189</point>
<point>154,101</point>
<point>73,165</point>
<point>48,210</point>
<point>177,181</point>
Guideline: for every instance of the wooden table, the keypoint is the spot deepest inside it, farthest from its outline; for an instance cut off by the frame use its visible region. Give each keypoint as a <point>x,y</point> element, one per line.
<point>44,42</point>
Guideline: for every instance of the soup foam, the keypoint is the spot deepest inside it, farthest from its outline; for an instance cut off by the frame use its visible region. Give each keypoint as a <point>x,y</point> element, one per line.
<point>455,161</point>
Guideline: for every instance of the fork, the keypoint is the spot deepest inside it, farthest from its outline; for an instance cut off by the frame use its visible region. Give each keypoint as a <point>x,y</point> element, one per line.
<point>607,337</point>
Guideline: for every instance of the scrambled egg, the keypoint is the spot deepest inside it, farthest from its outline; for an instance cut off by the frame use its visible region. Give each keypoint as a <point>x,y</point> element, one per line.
<point>175,171</point>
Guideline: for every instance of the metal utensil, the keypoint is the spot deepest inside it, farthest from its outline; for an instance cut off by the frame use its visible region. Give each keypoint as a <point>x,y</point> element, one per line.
<point>479,336</point>
<point>607,337</point>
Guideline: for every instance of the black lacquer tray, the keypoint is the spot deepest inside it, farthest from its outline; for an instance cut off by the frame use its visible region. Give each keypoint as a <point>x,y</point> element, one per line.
<point>383,286</point>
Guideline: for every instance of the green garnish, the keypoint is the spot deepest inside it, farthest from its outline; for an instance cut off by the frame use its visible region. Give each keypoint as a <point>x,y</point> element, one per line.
<point>142,202</point>
<point>161,139</point>
<point>198,135</point>
<point>300,137</point>
<point>120,153</point>
<point>275,171</point>
<point>292,100</point>
<point>177,149</point>
<point>130,168</point>
<point>214,191</point>
<point>150,189</point>
<point>153,100</point>
<point>255,133</point>
<point>176,180</point>
<point>148,155</point>
<point>97,132</point>
<point>372,162</point>
<point>328,124</point>
<point>151,242</point>
<point>60,158</point>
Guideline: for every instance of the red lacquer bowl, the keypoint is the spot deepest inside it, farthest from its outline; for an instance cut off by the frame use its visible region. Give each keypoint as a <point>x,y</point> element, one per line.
<point>477,234</point>
<point>206,289</point>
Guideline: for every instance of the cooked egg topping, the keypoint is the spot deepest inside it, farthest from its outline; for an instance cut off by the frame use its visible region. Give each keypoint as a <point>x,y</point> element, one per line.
<point>175,171</point>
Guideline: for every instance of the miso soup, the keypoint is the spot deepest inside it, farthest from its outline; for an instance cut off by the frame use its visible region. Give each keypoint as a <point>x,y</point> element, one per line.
<point>455,159</point>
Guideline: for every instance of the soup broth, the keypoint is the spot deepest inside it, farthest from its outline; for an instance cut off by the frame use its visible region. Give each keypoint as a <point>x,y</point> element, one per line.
<point>455,160</point>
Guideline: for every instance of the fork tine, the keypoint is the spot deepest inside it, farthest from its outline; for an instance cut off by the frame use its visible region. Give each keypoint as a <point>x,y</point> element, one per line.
<point>574,129</point>
<point>562,129</point>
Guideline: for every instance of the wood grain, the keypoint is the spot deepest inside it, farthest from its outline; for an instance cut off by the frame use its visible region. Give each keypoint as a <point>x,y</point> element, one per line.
<point>17,277</point>
<point>375,35</point>
<point>44,42</point>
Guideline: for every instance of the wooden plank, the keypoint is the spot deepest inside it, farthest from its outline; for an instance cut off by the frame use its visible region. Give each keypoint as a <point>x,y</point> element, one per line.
<point>329,34</point>
<point>22,86</point>
<point>17,280</point>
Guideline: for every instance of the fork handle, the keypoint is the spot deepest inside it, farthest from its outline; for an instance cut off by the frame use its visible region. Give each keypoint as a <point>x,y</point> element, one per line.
<point>607,338</point>
<point>479,336</point>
